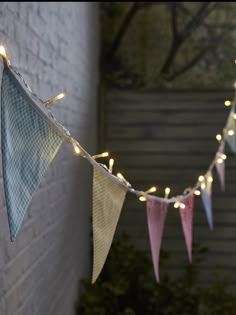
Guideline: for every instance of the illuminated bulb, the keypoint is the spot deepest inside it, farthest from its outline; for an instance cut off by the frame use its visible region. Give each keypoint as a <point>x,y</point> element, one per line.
<point>203,185</point>
<point>218,137</point>
<point>230,132</point>
<point>104,154</point>
<point>176,205</point>
<point>111,164</point>
<point>220,160</point>
<point>120,176</point>
<point>142,198</point>
<point>201,178</point>
<point>227,103</point>
<point>223,156</point>
<point>167,192</point>
<point>151,190</point>
<point>182,205</point>
<point>235,85</point>
<point>197,192</point>
<point>53,99</point>
<point>77,149</point>
<point>210,179</point>
<point>2,51</point>
<point>234,116</point>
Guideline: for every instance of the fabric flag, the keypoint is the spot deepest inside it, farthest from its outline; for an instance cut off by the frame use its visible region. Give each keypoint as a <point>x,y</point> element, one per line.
<point>231,131</point>
<point>206,199</point>
<point>156,214</point>
<point>220,167</point>
<point>186,215</point>
<point>29,144</point>
<point>108,199</point>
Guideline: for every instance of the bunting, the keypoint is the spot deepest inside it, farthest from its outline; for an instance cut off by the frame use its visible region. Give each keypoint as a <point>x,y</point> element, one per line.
<point>29,144</point>
<point>186,215</point>
<point>30,140</point>
<point>231,130</point>
<point>206,198</point>
<point>220,167</point>
<point>108,199</point>
<point>156,214</point>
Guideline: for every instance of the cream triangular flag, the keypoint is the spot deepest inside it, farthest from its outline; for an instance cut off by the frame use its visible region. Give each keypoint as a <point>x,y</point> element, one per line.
<point>108,199</point>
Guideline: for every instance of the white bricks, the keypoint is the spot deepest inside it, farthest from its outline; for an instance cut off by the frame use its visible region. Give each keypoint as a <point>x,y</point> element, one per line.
<point>39,272</point>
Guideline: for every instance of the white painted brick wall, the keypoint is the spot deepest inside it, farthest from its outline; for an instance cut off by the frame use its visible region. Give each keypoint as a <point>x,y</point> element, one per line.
<point>55,47</point>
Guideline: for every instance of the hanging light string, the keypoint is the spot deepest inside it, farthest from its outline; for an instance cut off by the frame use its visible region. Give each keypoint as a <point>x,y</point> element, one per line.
<point>119,179</point>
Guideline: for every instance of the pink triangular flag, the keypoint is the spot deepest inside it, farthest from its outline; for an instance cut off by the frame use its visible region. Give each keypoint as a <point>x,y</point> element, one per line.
<point>156,214</point>
<point>186,215</point>
<point>220,167</point>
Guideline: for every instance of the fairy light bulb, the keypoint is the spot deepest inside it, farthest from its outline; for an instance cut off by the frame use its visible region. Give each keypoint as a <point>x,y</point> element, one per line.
<point>182,205</point>
<point>201,178</point>
<point>151,190</point>
<point>234,116</point>
<point>230,132</point>
<point>223,156</point>
<point>197,192</point>
<point>97,156</point>
<point>210,179</point>
<point>203,185</point>
<point>142,198</point>
<point>167,192</point>
<point>2,51</point>
<point>111,164</point>
<point>218,137</point>
<point>76,149</point>
<point>227,103</point>
<point>53,99</point>
<point>220,160</point>
<point>176,205</point>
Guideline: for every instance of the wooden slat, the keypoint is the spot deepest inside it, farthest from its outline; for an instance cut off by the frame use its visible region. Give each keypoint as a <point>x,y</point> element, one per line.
<point>168,139</point>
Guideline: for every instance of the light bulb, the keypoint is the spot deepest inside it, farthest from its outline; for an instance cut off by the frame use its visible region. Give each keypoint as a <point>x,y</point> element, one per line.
<point>111,164</point>
<point>97,156</point>
<point>151,190</point>
<point>203,185</point>
<point>223,156</point>
<point>167,192</point>
<point>176,205</point>
<point>227,103</point>
<point>220,160</point>
<point>218,137</point>
<point>182,205</point>
<point>201,178</point>
<point>77,149</point>
<point>234,115</point>
<point>230,132</point>
<point>210,179</point>
<point>142,198</point>
<point>197,192</point>
<point>2,51</point>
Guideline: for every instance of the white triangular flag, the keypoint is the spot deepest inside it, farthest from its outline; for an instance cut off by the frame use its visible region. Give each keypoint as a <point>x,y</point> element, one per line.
<point>108,199</point>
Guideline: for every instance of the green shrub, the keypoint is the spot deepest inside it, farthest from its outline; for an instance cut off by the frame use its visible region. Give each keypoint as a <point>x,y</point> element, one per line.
<point>127,286</point>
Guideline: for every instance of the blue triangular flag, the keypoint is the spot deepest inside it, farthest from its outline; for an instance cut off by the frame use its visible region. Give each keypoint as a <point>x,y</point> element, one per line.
<point>231,130</point>
<point>29,144</point>
<point>206,198</point>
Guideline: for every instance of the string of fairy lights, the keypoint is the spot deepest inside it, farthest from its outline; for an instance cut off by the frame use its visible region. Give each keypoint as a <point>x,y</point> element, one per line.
<point>201,182</point>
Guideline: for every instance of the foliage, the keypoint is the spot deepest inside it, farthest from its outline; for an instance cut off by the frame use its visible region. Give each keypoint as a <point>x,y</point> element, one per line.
<point>126,286</point>
<point>147,42</point>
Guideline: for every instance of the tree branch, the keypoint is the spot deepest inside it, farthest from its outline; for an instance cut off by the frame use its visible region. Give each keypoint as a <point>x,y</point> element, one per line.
<point>189,65</point>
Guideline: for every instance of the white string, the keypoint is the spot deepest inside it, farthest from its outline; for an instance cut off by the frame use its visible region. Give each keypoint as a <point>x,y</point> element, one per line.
<point>125,184</point>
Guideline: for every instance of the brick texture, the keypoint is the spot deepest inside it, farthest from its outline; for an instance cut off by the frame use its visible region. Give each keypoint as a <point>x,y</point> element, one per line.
<point>55,46</point>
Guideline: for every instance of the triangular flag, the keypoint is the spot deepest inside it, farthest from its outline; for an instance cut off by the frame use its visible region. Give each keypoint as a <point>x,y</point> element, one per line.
<point>29,144</point>
<point>206,198</point>
<point>156,214</point>
<point>108,199</point>
<point>231,130</point>
<point>220,167</point>
<point>186,215</point>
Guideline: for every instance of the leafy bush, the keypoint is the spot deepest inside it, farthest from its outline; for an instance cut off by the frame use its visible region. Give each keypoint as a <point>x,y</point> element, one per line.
<point>127,286</point>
